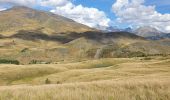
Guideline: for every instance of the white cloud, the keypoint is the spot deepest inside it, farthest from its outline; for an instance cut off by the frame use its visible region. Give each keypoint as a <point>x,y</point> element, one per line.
<point>36,2</point>
<point>54,2</point>
<point>136,13</point>
<point>2,9</point>
<point>89,16</point>
<point>20,2</point>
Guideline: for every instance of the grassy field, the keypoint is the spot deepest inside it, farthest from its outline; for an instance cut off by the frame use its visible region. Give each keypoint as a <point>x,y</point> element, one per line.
<point>103,79</point>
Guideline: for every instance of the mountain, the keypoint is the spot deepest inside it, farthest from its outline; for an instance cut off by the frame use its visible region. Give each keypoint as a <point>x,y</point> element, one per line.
<point>147,31</point>
<point>24,18</point>
<point>29,35</point>
<point>159,37</point>
<point>116,29</point>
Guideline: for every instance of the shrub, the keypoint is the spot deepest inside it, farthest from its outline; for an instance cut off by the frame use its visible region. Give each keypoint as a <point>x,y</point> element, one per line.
<point>38,62</point>
<point>137,54</point>
<point>163,55</point>
<point>6,61</point>
<point>129,54</point>
<point>33,62</point>
<point>58,82</point>
<point>147,58</point>
<point>24,50</point>
<point>47,81</point>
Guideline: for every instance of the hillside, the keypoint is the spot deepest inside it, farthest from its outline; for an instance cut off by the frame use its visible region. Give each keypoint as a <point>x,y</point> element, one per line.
<point>104,79</point>
<point>28,35</point>
<point>23,18</point>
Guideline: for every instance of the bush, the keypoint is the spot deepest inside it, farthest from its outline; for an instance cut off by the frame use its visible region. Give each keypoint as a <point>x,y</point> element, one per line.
<point>33,62</point>
<point>47,81</point>
<point>5,61</point>
<point>38,62</point>
<point>123,53</point>
<point>137,54</point>
<point>58,82</point>
<point>24,50</point>
<point>147,58</point>
<point>163,55</point>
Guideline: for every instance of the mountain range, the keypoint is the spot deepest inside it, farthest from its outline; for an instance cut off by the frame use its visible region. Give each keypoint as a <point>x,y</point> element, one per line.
<point>159,37</point>
<point>145,31</point>
<point>27,34</point>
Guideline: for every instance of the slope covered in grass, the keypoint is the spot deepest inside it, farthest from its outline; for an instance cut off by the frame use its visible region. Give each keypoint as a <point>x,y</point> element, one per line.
<point>104,79</point>
<point>134,89</point>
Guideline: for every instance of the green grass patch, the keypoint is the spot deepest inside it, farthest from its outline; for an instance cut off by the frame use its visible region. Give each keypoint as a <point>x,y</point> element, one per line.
<point>102,64</point>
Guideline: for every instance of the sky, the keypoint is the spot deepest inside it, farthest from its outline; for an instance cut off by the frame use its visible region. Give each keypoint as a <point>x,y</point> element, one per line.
<point>105,13</point>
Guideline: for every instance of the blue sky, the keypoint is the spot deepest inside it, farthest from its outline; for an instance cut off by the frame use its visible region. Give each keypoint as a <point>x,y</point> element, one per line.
<point>105,13</point>
<point>163,6</point>
<point>104,5</point>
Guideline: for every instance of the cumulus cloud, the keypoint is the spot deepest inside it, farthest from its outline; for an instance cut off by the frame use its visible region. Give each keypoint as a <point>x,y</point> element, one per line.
<point>36,2</point>
<point>136,13</point>
<point>89,16</point>
<point>54,2</point>
<point>20,2</point>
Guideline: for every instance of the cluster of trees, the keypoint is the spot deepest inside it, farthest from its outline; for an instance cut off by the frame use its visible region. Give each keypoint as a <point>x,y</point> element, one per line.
<point>6,61</point>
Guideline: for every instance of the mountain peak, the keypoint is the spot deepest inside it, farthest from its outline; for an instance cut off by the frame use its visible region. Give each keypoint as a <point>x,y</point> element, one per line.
<point>21,7</point>
<point>147,31</point>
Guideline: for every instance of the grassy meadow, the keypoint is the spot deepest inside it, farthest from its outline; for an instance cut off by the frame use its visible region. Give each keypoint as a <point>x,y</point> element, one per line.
<point>103,79</point>
<point>44,56</point>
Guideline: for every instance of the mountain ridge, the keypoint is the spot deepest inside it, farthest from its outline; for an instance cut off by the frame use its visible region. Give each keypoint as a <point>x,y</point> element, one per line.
<point>19,17</point>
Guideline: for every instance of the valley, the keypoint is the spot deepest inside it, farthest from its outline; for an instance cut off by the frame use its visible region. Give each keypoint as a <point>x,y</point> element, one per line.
<point>45,56</point>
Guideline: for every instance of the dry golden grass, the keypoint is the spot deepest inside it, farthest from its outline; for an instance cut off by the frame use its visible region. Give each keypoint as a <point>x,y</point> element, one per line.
<point>10,73</point>
<point>134,89</point>
<point>104,79</point>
